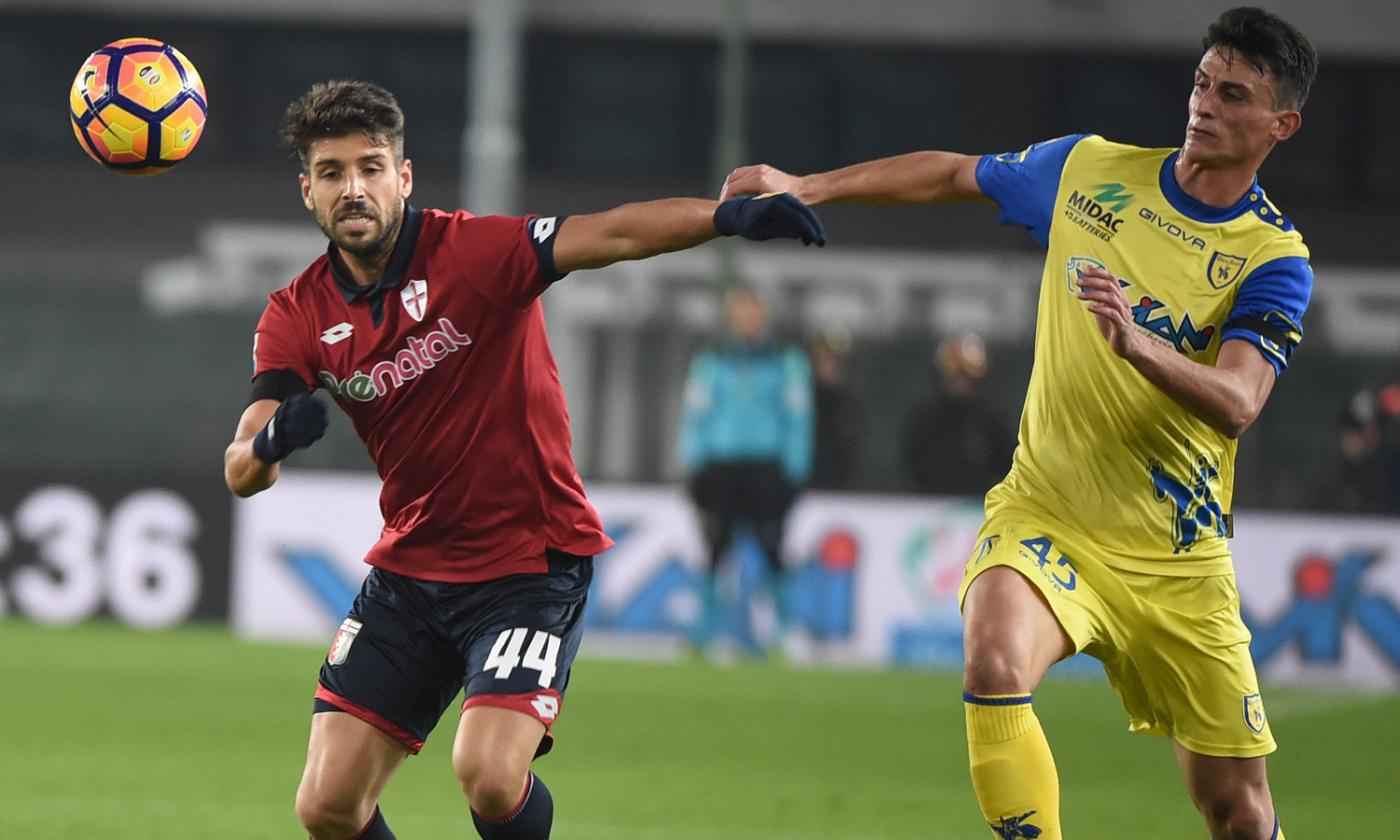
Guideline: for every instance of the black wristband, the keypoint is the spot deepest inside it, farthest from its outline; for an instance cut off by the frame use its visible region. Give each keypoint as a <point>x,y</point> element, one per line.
<point>263,447</point>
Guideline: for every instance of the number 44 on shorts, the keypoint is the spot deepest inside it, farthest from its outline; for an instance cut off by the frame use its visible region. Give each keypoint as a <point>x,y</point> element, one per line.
<point>542,655</point>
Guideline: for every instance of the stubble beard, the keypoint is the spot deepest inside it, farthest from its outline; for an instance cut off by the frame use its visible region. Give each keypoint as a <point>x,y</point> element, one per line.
<point>362,249</point>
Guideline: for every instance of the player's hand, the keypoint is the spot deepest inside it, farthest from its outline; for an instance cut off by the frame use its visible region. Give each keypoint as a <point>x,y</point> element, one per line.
<point>1111,310</point>
<point>299,422</point>
<point>759,179</point>
<point>769,216</point>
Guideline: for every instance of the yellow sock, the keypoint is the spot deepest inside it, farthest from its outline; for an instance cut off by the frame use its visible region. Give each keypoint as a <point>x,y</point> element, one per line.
<point>1013,772</point>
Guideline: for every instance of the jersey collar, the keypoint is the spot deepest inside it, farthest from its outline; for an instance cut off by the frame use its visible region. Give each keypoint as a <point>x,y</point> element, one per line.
<point>393,272</point>
<point>1200,211</point>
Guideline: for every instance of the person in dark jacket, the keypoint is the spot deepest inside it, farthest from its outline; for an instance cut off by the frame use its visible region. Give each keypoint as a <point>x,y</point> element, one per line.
<point>955,442</point>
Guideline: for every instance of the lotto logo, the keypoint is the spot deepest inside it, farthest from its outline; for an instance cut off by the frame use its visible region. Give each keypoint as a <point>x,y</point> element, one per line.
<point>542,228</point>
<point>546,705</point>
<point>337,333</point>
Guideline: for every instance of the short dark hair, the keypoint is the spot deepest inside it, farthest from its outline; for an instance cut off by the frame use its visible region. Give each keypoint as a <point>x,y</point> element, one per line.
<point>1271,45</point>
<point>335,109</point>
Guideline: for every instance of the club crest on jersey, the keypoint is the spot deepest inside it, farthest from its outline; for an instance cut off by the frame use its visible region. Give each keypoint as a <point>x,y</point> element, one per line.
<point>414,295</point>
<point>344,638</point>
<point>1254,713</point>
<point>1224,269</point>
<point>1074,269</point>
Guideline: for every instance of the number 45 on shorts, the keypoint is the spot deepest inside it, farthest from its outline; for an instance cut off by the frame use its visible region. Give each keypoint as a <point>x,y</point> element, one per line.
<point>542,654</point>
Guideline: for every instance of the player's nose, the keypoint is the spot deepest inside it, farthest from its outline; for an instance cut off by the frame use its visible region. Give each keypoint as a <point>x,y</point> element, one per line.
<point>352,187</point>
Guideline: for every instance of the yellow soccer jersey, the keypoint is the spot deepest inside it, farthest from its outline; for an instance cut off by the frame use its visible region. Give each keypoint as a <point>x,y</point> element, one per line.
<point>1101,450</point>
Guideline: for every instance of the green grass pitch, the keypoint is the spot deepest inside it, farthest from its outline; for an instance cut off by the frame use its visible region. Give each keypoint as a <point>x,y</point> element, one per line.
<point>114,734</point>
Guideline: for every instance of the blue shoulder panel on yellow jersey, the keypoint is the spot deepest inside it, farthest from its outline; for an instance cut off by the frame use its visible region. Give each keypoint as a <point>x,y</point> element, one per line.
<point>1268,312</point>
<point>1025,183</point>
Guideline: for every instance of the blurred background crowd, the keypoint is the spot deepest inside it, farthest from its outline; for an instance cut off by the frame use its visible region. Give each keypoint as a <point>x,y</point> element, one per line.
<point>126,297</point>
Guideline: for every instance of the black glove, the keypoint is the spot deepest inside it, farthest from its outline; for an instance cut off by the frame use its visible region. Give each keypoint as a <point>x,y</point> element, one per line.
<point>769,216</point>
<point>299,422</point>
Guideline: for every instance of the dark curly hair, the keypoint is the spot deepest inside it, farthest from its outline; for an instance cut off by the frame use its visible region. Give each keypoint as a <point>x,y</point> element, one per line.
<point>335,109</point>
<point>1271,45</point>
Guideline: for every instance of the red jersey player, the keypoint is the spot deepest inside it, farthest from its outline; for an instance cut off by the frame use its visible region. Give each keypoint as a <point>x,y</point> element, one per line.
<point>425,327</point>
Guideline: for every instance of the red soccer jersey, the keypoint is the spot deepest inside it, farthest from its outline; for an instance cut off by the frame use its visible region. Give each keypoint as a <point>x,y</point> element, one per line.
<point>445,370</point>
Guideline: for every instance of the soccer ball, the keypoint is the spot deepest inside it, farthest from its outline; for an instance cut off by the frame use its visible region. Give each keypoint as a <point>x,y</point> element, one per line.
<point>138,106</point>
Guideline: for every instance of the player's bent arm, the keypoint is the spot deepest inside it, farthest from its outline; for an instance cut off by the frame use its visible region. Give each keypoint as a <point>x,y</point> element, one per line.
<point>633,232</point>
<point>914,178</point>
<point>1228,396</point>
<point>244,473</point>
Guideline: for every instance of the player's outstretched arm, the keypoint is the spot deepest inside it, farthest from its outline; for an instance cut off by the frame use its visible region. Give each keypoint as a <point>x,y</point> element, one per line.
<point>645,229</point>
<point>915,178</point>
<point>269,431</point>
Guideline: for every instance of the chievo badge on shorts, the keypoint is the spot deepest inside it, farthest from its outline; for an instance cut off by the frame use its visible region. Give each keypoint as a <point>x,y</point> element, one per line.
<point>344,638</point>
<point>415,298</point>
<point>1254,712</point>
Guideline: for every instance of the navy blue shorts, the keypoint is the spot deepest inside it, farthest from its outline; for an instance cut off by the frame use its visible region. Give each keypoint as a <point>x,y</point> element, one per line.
<point>408,646</point>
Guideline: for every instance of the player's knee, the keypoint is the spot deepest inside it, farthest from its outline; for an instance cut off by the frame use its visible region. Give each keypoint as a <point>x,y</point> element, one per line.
<point>1247,816</point>
<point>992,671</point>
<point>330,815</point>
<point>491,788</point>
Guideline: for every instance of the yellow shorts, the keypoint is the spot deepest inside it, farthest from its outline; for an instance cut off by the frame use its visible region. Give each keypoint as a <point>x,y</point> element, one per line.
<point>1175,648</point>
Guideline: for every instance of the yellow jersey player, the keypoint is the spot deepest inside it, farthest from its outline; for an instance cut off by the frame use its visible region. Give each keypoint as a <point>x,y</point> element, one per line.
<point>1171,299</point>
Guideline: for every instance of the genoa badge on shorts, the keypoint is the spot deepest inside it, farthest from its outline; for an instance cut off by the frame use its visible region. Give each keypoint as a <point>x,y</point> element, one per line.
<point>344,638</point>
<point>1254,712</point>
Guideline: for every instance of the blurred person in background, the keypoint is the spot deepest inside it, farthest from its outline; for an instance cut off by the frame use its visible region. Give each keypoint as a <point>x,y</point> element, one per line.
<point>835,419</point>
<point>425,327</point>
<point>955,442</point>
<point>746,446</point>
<point>1370,450</point>
<point>1388,447</point>
<point>1363,483</point>
<point>1171,299</point>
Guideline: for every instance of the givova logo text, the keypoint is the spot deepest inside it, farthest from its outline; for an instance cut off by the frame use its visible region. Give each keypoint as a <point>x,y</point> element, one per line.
<point>1171,229</point>
<point>420,356</point>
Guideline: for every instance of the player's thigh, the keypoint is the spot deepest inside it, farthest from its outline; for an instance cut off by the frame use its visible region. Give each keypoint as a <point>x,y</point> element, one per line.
<point>1025,607</point>
<point>1220,785</point>
<point>1186,671</point>
<point>524,633</point>
<point>391,665</point>
<point>348,763</point>
<point>1007,656</point>
<point>495,741</point>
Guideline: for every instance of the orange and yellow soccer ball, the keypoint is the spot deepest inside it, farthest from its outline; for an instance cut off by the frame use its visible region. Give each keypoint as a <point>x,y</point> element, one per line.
<point>138,106</point>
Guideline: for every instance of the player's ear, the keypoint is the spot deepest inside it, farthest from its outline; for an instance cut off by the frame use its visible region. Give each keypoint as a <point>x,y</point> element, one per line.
<point>305,181</point>
<point>406,177</point>
<point>1287,125</point>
